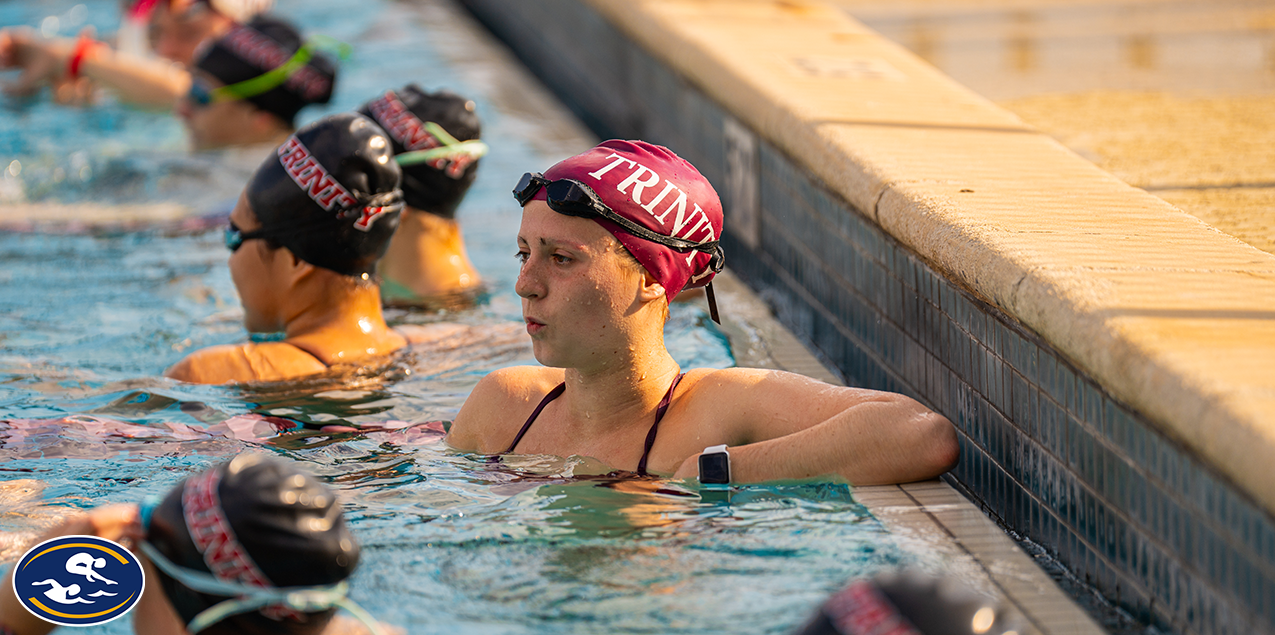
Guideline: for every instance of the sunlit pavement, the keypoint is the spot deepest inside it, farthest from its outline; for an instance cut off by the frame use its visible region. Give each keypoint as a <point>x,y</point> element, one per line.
<point>1173,96</point>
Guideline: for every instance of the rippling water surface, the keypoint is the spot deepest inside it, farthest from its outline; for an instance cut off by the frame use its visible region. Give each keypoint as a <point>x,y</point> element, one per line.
<point>92,313</point>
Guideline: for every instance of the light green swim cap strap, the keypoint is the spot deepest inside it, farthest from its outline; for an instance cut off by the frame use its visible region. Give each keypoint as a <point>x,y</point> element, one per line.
<point>276,77</point>
<point>451,147</point>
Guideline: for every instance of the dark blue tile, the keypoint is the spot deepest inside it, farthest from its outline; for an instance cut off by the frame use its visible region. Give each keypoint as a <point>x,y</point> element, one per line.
<point>1069,381</point>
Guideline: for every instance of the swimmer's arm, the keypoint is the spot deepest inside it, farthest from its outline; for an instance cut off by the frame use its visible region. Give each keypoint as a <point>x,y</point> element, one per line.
<point>15,617</point>
<point>143,81</point>
<point>114,522</point>
<point>245,362</point>
<point>139,80</point>
<point>796,427</point>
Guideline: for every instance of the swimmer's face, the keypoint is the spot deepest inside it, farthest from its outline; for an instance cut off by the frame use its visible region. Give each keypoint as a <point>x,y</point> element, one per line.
<point>255,272</point>
<point>176,31</point>
<point>218,124</point>
<point>581,297</point>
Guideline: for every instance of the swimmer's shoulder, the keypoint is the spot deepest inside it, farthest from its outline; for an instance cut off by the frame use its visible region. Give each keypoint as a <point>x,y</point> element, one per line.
<point>234,363</point>
<point>499,405</point>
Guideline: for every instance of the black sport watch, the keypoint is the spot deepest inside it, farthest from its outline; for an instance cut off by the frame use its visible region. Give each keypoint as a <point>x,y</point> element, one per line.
<point>714,466</point>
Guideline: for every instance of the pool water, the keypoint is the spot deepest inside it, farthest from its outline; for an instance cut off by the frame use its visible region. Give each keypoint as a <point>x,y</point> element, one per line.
<point>91,315</point>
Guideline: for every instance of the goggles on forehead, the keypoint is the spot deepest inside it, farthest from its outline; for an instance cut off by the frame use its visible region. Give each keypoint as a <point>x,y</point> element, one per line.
<point>245,598</point>
<point>201,95</point>
<point>573,198</point>
<point>451,148</point>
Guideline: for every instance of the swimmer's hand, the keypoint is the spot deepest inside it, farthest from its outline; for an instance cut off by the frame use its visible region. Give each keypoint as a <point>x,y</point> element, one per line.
<point>42,61</point>
<point>120,523</point>
<point>343,624</point>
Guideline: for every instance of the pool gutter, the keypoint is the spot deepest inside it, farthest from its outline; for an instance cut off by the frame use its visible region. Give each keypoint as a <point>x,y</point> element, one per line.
<point>1108,359</point>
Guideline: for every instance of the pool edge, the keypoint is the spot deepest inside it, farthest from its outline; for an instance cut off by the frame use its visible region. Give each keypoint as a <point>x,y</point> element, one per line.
<point>926,242</point>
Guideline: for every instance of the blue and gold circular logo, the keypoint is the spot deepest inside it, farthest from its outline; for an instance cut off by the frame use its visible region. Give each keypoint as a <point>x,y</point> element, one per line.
<point>78,580</point>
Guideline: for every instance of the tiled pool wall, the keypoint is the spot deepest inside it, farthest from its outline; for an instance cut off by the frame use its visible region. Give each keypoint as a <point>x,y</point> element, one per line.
<point>1043,448</point>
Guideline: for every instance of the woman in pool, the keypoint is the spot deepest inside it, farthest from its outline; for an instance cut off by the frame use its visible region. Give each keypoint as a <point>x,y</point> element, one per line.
<point>177,29</point>
<point>426,264</point>
<point>234,97</point>
<point>282,525</point>
<point>304,240</point>
<point>607,238</point>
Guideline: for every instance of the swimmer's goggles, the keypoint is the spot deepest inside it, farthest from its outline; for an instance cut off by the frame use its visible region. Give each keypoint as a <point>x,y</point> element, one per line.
<point>573,198</point>
<point>235,237</point>
<point>450,149</point>
<point>200,94</point>
<point>246,598</point>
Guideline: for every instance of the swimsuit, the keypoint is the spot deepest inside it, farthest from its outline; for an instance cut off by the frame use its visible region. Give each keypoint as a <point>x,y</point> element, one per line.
<point>650,436</point>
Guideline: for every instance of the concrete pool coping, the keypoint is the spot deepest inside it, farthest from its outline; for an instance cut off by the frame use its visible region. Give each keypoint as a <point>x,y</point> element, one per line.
<point>930,512</point>
<point>1172,317</point>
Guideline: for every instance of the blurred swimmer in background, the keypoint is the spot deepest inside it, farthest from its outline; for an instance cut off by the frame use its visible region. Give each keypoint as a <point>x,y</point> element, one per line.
<point>284,529</point>
<point>435,140</point>
<point>174,29</point>
<point>247,87</point>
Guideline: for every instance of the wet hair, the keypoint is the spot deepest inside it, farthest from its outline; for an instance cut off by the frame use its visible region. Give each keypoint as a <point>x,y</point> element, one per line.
<point>437,186</point>
<point>262,45</point>
<point>254,518</point>
<point>330,194</point>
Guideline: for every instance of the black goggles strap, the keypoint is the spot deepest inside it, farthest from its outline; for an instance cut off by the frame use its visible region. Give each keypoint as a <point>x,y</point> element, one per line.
<point>574,198</point>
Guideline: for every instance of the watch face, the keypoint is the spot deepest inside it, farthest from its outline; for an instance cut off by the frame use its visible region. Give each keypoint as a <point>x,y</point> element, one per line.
<point>714,468</point>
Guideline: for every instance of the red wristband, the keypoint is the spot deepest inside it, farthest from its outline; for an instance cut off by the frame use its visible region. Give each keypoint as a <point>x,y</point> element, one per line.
<point>82,48</point>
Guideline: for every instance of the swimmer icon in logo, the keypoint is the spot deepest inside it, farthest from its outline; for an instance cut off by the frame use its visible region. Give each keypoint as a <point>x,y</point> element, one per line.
<point>78,580</point>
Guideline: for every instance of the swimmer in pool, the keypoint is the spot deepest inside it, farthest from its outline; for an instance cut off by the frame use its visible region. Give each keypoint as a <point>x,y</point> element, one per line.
<point>607,238</point>
<point>176,29</point>
<point>285,525</point>
<point>245,88</point>
<point>426,264</point>
<point>304,240</point>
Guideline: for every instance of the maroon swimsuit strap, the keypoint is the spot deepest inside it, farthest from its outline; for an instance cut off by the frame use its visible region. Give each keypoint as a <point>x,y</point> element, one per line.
<point>650,436</point>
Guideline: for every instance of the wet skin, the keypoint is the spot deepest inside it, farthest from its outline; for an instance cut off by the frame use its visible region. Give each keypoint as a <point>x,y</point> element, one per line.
<point>596,320</point>
<point>327,318</point>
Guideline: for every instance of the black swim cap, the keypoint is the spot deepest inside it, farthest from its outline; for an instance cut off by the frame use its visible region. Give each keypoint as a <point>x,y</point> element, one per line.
<point>437,186</point>
<point>907,603</point>
<point>330,194</point>
<point>264,44</point>
<point>258,521</point>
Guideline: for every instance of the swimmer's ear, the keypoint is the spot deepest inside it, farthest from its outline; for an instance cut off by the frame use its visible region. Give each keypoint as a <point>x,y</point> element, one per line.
<point>652,289</point>
<point>267,122</point>
<point>298,269</point>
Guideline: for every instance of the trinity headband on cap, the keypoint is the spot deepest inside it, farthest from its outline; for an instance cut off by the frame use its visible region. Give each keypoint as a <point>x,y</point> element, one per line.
<point>270,46</point>
<point>435,138</point>
<point>677,212</point>
<point>330,194</point>
<point>252,546</point>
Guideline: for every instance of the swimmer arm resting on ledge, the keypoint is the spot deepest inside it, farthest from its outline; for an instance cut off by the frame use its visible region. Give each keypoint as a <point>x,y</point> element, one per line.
<point>778,425</point>
<point>786,426</point>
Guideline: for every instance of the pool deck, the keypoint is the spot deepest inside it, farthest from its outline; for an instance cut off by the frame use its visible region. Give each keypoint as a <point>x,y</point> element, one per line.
<point>1176,97</point>
<point>958,536</point>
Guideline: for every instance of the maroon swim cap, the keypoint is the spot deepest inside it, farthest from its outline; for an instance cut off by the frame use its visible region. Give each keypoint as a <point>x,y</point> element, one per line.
<point>656,189</point>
